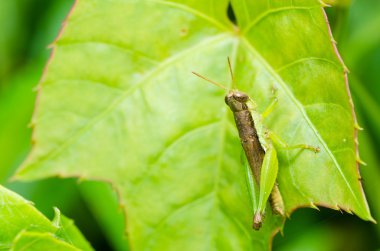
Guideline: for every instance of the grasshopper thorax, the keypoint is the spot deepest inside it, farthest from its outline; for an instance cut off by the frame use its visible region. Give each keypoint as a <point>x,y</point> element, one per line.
<point>236,100</point>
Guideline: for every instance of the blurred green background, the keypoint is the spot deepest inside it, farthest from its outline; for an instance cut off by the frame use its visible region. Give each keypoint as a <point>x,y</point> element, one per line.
<point>27,27</point>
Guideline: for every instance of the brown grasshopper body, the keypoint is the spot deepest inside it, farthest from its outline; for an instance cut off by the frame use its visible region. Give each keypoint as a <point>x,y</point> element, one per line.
<point>237,101</point>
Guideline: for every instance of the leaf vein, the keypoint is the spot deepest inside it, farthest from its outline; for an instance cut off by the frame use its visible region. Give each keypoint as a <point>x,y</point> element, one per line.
<point>302,60</point>
<point>168,62</point>
<point>67,81</point>
<point>328,104</point>
<point>265,14</point>
<point>193,11</point>
<point>178,210</point>
<point>116,45</point>
<point>174,142</point>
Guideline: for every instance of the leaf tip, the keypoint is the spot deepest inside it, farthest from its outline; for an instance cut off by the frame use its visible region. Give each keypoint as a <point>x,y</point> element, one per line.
<point>360,161</point>
<point>81,179</point>
<point>37,88</point>
<point>371,219</point>
<point>356,141</point>
<point>358,127</point>
<point>324,4</point>
<point>336,207</point>
<point>51,45</point>
<point>31,124</point>
<point>345,69</point>
<point>312,205</point>
<point>57,217</point>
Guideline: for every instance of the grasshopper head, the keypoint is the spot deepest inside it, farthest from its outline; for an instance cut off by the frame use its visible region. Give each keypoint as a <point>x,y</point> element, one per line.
<point>236,100</point>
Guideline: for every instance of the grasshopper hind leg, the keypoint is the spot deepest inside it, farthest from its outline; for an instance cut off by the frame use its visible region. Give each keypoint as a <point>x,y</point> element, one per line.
<point>277,205</point>
<point>276,201</point>
<point>281,143</point>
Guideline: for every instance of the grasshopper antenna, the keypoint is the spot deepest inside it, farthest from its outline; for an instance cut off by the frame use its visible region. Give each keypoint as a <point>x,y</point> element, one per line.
<point>209,80</point>
<point>232,75</point>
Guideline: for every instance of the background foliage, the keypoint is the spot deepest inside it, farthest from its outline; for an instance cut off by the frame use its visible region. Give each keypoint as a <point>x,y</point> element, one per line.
<point>28,28</point>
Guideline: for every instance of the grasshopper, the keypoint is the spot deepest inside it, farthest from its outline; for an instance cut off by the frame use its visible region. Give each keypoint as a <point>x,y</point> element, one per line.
<point>258,145</point>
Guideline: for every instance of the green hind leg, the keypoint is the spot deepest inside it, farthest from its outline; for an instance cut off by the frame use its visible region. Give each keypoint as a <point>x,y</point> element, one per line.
<point>281,143</point>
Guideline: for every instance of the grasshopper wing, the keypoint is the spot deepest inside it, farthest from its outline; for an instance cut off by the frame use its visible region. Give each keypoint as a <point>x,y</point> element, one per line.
<point>268,177</point>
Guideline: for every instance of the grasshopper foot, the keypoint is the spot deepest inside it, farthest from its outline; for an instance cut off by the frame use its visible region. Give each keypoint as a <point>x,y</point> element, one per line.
<point>257,221</point>
<point>313,148</point>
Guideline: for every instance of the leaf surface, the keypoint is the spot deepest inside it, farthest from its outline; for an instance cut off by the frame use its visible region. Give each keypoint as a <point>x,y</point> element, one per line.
<point>35,241</point>
<point>118,103</point>
<point>23,227</point>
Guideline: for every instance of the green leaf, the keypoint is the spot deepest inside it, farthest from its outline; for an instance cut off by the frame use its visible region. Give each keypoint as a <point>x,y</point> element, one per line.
<point>118,103</point>
<point>40,241</point>
<point>69,232</point>
<point>23,226</point>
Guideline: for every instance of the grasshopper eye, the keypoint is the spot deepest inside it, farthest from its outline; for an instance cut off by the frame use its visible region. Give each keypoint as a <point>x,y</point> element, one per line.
<point>241,97</point>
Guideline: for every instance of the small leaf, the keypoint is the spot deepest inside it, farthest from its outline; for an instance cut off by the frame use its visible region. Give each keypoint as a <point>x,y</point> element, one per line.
<point>70,233</point>
<point>118,103</point>
<point>23,227</point>
<point>36,241</point>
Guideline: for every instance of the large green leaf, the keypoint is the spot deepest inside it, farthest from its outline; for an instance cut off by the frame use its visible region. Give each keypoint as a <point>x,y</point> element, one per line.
<point>23,227</point>
<point>118,103</point>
